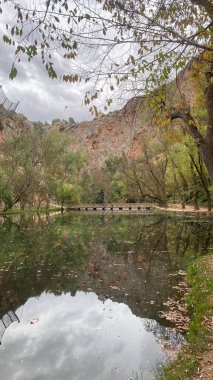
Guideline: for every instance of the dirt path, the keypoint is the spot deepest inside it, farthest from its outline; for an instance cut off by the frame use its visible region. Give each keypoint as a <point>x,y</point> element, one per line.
<point>188,209</point>
<point>205,371</point>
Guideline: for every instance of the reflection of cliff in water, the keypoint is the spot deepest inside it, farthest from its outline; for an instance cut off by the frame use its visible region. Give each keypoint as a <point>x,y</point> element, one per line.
<point>128,259</point>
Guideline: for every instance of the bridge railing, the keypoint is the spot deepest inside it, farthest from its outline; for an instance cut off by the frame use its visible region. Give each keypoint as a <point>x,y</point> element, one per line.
<point>6,103</point>
<point>112,207</point>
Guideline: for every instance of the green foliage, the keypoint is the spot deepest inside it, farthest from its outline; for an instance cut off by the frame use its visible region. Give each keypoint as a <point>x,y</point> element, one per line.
<point>56,120</point>
<point>38,168</point>
<point>70,121</point>
<point>67,193</point>
<point>118,189</point>
<point>168,169</point>
<point>112,163</point>
<point>13,72</point>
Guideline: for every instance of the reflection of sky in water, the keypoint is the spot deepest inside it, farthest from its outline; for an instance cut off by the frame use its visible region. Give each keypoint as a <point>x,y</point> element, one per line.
<point>78,338</point>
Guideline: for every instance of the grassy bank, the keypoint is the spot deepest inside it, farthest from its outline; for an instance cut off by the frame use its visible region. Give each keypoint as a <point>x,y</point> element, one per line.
<point>29,211</point>
<point>199,336</point>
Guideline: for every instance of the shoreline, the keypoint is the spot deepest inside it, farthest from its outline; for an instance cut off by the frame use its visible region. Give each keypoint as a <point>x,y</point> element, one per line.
<point>195,360</point>
<point>149,209</point>
<point>30,211</point>
<point>189,210</point>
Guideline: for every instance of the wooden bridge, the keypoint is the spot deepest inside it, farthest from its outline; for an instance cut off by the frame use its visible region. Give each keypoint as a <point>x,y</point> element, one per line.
<point>127,207</point>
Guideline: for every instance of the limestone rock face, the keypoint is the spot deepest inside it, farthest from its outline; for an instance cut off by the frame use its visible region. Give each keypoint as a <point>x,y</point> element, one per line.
<point>124,130</point>
<point>12,124</point>
<point>112,134</point>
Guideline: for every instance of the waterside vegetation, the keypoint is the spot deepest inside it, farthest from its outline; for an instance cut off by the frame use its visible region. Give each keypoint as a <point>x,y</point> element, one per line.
<point>40,170</point>
<point>195,360</point>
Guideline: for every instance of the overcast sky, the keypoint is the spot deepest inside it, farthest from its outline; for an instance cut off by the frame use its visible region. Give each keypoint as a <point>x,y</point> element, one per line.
<point>41,98</point>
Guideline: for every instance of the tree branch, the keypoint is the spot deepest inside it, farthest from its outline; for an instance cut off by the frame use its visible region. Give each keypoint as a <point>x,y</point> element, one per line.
<point>189,120</point>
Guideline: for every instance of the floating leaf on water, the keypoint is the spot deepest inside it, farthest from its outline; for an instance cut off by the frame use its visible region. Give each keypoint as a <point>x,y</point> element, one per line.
<point>33,321</point>
<point>114,287</point>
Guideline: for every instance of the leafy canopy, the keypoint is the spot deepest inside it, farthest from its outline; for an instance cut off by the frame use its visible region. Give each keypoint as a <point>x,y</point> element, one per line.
<point>109,42</point>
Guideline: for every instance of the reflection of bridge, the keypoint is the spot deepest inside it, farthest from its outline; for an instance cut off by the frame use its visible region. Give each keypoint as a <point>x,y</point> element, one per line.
<point>138,207</point>
<point>6,103</point>
<point>5,322</point>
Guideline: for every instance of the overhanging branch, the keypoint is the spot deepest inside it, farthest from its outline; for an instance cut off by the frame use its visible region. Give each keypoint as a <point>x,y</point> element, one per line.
<point>189,120</point>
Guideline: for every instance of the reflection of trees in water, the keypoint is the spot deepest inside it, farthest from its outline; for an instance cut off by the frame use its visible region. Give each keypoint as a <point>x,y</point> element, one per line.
<point>163,334</point>
<point>136,376</point>
<point>170,341</point>
<point>37,257</point>
<point>54,254</point>
<point>173,237</point>
<point>142,375</point>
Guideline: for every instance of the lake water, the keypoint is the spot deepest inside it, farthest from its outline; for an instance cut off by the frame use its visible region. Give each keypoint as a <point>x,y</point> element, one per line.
<point>80,295</point>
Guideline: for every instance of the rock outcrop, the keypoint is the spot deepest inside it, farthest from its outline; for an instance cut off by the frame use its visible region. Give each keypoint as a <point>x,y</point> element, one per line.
<point>12,124</point>
<point>112,134</point>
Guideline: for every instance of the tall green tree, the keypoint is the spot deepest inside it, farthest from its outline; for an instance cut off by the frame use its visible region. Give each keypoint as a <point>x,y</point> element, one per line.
<point>37,167</point>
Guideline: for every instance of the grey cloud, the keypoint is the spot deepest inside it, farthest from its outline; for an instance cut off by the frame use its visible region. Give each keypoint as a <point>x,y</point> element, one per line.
<point>41,98</point>
<point>77,338</point>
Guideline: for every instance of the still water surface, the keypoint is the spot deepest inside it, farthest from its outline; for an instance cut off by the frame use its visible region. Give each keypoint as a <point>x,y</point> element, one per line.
<point>85,292</point>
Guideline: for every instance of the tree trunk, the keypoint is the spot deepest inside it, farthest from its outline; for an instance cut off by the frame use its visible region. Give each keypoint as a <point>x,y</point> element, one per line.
<point>181,197</point>
<point>163,203</point>
<point>204,144</point>
<point>22,205</point>
<point>105,197</point>
<point>207,153</point>
<point>47,204</point>
<point>194,192</point>
<point>38,205</point>
<point>195,202</point>
<point>209,201</point>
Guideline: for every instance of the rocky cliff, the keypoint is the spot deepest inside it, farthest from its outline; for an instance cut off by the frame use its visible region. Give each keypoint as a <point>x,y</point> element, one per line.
<point>124,130</point>
<point>111,134</point>
<point>118,131</point>
<point>12,124</point>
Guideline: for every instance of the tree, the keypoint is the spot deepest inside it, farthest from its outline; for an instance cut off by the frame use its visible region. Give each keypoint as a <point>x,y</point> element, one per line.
<point>56,120</point>
<point>71,121</point>
<point>66,193</point>
<point>37,167</point>
<point>168,169</point>
<point>157,39</point>
<point>19,166</point>
<point>148,173</point>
